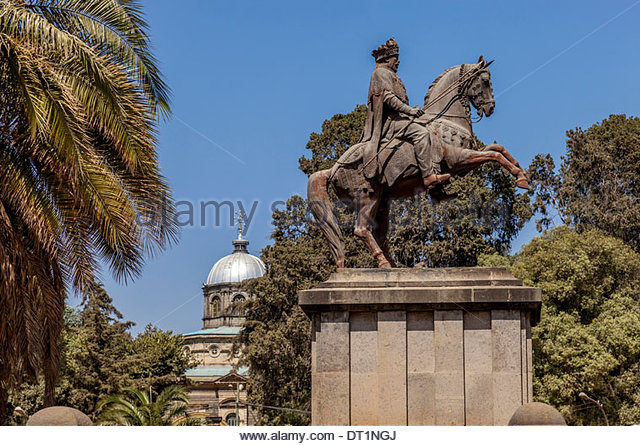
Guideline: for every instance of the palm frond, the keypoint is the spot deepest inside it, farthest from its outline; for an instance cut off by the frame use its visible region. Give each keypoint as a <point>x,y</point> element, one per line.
<point>80,94</point>
<point>137,408</point>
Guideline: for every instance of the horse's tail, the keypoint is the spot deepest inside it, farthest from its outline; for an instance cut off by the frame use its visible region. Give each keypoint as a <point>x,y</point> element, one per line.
<point>322,209</point>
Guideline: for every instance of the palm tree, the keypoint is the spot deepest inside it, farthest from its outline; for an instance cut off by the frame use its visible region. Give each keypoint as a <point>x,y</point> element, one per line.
<point>80,185</point>
<point>139,409</point>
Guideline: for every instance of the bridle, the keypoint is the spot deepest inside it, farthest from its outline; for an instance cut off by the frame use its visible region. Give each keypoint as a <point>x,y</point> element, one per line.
<point>462,84</point>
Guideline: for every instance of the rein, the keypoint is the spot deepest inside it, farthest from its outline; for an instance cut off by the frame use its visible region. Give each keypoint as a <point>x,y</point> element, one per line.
<point>446,115</point>
<point>462,79</point>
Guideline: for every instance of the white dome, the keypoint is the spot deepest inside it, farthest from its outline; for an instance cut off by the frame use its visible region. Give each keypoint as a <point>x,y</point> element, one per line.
<point>236,267</point>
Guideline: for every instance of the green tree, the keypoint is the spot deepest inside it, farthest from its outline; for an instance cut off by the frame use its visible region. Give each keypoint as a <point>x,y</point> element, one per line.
<point>137,408</point>
<point>157,358</point>
<point>80,96</point>
<point>596,186</point>
<point>589,335</point>
<point>95,362</point>
<point>338,134</point>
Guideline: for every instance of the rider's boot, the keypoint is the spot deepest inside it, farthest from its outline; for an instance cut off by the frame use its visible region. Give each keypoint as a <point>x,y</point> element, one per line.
<point>434,179</point>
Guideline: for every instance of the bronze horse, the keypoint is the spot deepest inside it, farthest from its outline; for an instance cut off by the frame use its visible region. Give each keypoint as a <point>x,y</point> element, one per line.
<point>448,119</point>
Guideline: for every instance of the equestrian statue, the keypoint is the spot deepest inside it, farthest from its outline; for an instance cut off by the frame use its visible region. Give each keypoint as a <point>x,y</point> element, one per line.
<point>407,150</point>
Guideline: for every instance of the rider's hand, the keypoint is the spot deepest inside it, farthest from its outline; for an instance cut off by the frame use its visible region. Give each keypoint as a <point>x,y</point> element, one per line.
<point>417,112</point>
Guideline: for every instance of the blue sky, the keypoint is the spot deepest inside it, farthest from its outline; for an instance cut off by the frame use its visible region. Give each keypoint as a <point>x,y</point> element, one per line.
<point>252,80</point>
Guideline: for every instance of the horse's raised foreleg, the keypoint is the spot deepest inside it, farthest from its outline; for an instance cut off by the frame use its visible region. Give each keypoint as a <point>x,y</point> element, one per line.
<point>500,148</point>
<point>367,209</point>
<point>522,179</point>
<point>477,158</point>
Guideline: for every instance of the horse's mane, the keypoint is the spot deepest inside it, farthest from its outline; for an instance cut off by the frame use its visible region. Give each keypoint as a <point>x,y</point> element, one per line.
<point>430,90</point>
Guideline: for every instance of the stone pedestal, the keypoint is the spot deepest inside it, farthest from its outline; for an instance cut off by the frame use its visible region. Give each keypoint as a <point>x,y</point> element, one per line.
<point>448,346</point>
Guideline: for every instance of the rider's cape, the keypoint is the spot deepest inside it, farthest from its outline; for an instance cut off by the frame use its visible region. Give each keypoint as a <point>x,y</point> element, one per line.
<point>379,117</point>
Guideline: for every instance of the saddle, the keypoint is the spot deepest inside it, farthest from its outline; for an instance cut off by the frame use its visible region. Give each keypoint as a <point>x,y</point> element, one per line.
<point>394,159</point>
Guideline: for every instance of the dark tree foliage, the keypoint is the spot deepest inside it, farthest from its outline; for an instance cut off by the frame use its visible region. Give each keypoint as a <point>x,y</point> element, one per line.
<point>277,333</point>
<point>338,134</point>
<point>597,184</point>
<point>588,339</point>
<point>99,357</point>
<point>94,363</point>
<point>156,359</point>
<point>484,220</point>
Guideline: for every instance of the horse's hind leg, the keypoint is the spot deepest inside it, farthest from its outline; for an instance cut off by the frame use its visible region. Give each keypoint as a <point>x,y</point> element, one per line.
<point>382,231</point>
<point>367,208</point>
<point>322,209</point>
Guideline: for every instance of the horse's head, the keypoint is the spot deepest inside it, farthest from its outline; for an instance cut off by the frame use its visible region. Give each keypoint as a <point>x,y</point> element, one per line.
<point>479,90</point>
<point>457,88</point>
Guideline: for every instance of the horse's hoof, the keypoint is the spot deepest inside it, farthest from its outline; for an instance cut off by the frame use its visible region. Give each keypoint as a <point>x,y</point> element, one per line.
<point>523,183</point>
<point>384,264</point>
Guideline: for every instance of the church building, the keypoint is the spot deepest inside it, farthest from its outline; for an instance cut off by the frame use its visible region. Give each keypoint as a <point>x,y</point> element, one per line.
<point>217,384</point>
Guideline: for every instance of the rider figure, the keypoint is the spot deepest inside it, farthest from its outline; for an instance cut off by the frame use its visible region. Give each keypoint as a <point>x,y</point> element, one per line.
<point>389,116</point>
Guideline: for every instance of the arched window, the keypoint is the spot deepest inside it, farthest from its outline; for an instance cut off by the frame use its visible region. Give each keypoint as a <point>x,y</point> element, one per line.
<point>238,301</point>
<point>215,307</point>
<point>231,419</point>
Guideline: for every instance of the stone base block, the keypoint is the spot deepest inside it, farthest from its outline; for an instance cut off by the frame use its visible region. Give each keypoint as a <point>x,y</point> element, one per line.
<point>448,346</point>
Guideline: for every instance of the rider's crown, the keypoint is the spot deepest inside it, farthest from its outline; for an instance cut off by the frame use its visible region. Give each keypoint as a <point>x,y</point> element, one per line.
<point>388,49</point>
